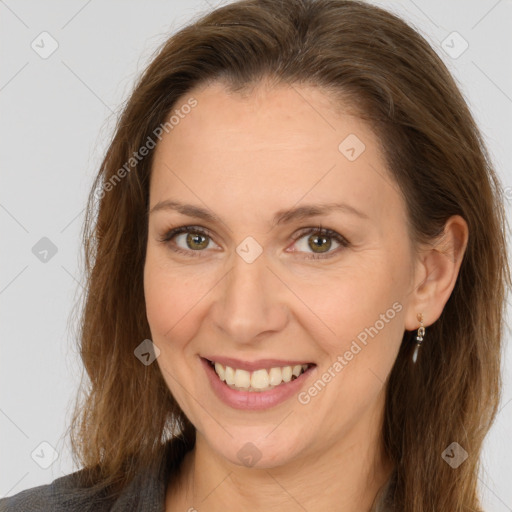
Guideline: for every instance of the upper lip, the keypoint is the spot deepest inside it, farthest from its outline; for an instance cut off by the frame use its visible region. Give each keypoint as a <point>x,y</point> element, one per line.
<point>254,365</point>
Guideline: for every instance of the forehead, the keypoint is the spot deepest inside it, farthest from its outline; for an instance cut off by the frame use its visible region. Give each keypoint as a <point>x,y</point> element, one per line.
<point>268,146</point>
<point>266,117</point>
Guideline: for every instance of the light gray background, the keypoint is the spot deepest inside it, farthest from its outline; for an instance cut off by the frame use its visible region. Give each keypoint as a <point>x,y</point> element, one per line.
<point>57,116</point>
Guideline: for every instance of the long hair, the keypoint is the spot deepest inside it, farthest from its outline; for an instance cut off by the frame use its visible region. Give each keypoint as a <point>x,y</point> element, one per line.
<point>368,58</point>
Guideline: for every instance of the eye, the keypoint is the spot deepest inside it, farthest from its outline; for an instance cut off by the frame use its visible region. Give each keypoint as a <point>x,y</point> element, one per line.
<point>189,240</point>
<point>319,240</point>
<point>193,240</point>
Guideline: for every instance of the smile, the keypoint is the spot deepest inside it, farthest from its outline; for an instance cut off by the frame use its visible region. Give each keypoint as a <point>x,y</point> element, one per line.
<point>259,380</point>
<point>256,385</point>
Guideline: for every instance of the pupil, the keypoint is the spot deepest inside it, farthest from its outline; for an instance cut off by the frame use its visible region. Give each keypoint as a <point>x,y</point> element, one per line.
<point>195,239</point>
<point>318,242</point>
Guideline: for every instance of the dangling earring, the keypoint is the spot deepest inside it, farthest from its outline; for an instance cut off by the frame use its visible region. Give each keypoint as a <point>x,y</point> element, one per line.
<point>419,338</point>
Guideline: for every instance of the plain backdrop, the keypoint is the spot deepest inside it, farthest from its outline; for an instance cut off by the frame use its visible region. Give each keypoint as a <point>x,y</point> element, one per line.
<point>66,67</point>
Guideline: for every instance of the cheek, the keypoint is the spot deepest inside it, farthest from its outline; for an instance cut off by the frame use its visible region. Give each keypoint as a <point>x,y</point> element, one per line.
<point>352,297</point>
<point>173,297</point>
<point>361,310</point>
<point>172,312</point>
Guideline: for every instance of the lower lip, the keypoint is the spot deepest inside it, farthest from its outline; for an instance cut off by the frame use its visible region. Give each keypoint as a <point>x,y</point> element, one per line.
<point>254,400</point>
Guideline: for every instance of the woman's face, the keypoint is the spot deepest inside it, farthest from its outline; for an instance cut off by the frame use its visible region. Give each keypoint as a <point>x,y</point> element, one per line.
<point>252,285</point>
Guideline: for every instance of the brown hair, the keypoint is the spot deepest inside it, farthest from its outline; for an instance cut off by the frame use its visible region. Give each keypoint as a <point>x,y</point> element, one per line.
<point>438,159</point>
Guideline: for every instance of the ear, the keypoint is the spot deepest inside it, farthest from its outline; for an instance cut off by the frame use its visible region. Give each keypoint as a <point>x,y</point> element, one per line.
<point>435,273</point>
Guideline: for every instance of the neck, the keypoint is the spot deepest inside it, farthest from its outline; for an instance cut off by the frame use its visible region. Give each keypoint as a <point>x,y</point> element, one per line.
<point>345,476</point>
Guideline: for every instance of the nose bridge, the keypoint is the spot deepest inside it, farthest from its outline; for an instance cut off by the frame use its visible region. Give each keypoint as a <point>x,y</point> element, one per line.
<point>249,303</point>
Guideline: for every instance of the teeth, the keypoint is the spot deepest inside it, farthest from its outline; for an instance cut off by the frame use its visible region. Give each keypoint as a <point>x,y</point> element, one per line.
<point>242,379</point>
<point>220,371</point>
<point>276,376</point>
<point>229,375</point>
<point>297,370</point>
<point>287,373</point>
<point>258,380</point>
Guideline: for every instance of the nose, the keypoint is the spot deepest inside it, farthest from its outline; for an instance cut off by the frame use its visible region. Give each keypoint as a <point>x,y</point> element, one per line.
<point>250,302</point>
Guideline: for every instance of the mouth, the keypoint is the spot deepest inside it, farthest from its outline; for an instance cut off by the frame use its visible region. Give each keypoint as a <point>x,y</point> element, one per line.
<point>258,380</point>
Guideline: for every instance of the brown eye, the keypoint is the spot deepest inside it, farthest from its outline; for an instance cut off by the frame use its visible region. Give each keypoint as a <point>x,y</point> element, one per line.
<point>189,240</point>
<point>196,241</point>
<point>319,243</point>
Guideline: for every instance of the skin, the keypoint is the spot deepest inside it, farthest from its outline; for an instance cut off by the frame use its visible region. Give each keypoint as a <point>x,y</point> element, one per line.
<point>245,158</point>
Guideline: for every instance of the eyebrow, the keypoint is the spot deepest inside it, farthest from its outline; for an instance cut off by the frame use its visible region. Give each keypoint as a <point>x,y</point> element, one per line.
<point>281,217</point>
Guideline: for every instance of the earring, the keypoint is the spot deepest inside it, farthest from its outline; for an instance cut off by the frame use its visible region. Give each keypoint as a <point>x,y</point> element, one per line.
<point>419,338</point>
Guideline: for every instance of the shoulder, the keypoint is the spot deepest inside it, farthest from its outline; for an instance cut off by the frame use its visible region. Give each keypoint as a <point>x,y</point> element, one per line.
<point>384,500</point>
<point>63,494</point>
<point>145,492</point>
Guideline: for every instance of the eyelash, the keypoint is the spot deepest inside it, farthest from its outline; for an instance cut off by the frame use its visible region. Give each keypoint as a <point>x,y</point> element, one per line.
<point>318,230</point>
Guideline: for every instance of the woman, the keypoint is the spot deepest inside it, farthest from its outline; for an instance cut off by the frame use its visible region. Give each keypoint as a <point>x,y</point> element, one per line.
<point>296,276</point>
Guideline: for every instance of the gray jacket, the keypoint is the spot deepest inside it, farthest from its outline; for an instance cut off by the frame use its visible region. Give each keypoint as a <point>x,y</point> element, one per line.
<point>146,493</point>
